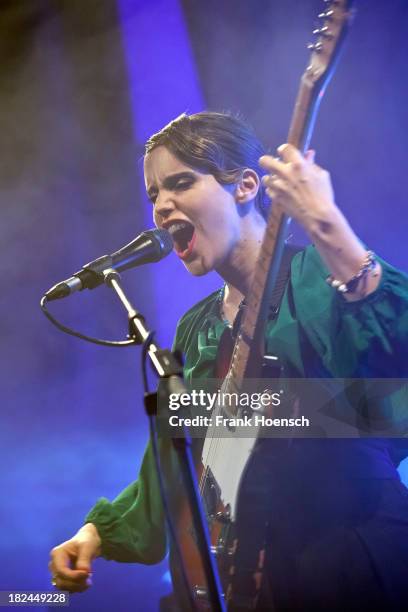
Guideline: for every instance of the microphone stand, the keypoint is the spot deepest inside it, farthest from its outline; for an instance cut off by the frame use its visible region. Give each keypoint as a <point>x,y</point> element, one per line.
<point>170,373</point>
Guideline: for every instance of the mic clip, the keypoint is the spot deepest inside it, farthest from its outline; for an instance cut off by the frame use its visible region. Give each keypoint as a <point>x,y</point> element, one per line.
<point>92,274</point>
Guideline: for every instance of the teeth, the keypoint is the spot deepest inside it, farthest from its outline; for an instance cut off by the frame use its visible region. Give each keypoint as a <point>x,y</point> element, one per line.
<point>175,227</point>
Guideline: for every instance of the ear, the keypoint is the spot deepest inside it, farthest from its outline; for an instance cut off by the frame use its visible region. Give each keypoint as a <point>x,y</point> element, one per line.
<point>247,187</point>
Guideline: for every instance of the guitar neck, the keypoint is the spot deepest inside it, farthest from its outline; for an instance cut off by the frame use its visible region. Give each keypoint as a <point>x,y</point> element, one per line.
<point>247,355</point>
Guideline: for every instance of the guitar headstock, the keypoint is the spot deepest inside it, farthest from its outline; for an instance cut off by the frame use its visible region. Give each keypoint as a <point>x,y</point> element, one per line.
<point>329,35</point>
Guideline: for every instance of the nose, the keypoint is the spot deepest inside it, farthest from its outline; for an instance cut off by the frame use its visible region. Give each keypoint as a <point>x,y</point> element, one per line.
<point>163,206</point>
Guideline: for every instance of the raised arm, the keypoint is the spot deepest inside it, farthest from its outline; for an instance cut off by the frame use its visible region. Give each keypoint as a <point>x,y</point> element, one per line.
<point>304,191</point>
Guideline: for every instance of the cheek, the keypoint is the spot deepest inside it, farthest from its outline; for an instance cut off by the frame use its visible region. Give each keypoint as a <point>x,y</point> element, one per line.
<point>220,236</point>
<point>218,211</point>
<point>223,222</point>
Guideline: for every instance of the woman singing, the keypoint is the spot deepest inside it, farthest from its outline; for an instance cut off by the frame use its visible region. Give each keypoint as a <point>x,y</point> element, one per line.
<point>337,536</point>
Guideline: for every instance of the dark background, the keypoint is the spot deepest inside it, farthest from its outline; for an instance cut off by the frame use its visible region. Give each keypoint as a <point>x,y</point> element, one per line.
<point>82,84</point>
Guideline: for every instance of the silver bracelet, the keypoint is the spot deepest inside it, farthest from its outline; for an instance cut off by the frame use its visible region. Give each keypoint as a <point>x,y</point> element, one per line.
<point>368,264</point>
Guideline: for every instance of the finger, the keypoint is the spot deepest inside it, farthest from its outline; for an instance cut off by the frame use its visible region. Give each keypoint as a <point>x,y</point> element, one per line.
<point>273,165</point>
<point>60,565</point>
<point>274,182</point>
<point>274,195</point>
<point>80,582</point>
<point>288,153</point>
<point>310,156</point>
<point>85,557</point>
<point>71,585</point>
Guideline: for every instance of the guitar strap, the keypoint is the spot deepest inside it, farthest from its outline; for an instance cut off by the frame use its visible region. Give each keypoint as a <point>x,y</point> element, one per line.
<point>245,582</point>
<point>289,252</point>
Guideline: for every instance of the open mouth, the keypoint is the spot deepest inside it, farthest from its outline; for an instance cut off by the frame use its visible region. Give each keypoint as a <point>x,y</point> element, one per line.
<point>183,234</point>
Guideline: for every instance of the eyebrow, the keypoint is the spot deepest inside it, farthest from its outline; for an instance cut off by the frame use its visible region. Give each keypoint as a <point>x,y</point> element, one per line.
<point>171,180</point>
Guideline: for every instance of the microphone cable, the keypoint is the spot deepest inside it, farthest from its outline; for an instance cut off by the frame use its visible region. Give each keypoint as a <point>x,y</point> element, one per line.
<point>81,336</point>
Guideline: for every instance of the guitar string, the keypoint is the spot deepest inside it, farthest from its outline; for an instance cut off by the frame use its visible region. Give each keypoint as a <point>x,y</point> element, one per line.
<point>215,444</point>
<point>211,450</point>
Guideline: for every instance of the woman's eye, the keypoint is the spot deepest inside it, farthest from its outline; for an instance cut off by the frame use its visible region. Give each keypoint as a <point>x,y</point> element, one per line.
<point>184,184</point>
<point>180,185</point>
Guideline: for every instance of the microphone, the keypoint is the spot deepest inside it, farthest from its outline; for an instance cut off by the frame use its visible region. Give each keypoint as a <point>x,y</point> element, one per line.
<point>149,246</point>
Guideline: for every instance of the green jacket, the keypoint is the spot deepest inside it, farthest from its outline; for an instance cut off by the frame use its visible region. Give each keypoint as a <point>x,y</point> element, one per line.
<point>316,334</point>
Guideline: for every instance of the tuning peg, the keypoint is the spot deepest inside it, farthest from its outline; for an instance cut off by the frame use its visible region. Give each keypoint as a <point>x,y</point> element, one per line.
<point>324,31</point>
<point>315,47</point>
<point>326,15</point>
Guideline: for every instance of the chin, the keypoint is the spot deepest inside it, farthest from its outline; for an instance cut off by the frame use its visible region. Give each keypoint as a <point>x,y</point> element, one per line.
<point>197,268</point>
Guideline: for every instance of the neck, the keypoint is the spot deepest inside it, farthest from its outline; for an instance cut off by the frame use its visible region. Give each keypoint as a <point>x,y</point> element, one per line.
<point>238,270</point>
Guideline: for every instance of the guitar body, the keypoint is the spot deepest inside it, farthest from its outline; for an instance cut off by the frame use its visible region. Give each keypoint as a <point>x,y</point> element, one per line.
<point>237,541</point>
<point>233,467</point>
<point>233,474</point>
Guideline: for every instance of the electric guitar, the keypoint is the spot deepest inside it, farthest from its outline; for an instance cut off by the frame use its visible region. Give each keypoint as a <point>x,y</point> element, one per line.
<point>232,501</point>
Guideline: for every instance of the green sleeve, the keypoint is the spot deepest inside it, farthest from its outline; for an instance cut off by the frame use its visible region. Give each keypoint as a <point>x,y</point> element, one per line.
<point>132,526</point>
<point>366,338</point>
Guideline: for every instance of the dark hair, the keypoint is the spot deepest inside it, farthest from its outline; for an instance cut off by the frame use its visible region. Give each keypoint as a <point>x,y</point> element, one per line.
<point>220,144</point>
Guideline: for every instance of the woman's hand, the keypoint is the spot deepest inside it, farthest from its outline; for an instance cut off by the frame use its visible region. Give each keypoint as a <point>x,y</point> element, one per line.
<point>301,187</point>
<point>303,190</point>
<point>70,564</point>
